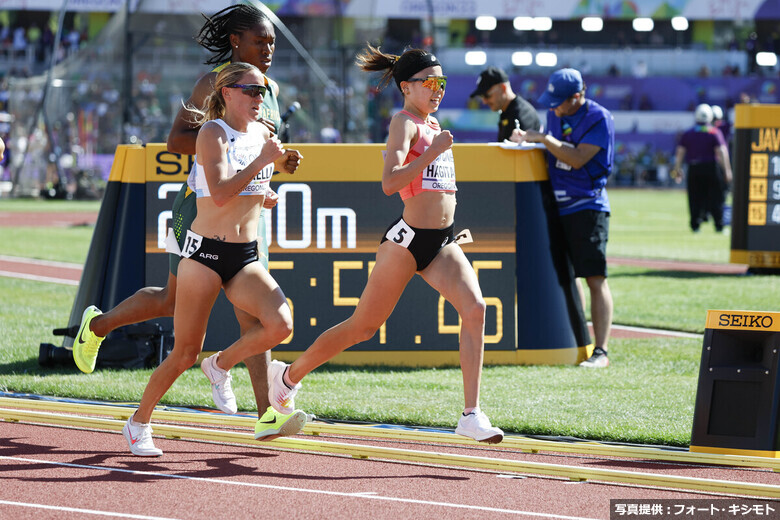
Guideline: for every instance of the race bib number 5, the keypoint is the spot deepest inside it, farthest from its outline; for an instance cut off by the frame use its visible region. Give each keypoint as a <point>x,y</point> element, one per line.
<point>401,234</point>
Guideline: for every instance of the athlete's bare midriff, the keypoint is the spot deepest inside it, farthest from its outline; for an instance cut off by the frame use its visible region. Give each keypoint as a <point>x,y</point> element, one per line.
<point>236,221</point>
<point>430,209</point>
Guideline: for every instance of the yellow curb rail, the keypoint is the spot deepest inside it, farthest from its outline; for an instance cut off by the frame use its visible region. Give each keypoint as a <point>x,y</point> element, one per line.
<point>518,443</point>
<point>575,473</point>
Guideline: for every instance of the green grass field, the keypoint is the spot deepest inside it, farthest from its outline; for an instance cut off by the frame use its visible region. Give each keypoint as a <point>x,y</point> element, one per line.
<point>646,396</point>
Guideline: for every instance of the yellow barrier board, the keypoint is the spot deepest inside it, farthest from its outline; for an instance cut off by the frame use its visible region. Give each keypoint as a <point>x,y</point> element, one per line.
<point>363,163</point>
<point>743,320</point>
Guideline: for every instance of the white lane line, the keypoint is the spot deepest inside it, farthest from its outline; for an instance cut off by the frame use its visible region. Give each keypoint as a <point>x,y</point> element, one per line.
<point>300,490</point>
<point>84,511</point>
<point>9,274</point>
<point>35,261</point>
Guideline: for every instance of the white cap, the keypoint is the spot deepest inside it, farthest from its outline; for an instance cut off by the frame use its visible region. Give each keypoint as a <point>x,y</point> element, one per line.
<point>717,113</point>
<point>703,114</point>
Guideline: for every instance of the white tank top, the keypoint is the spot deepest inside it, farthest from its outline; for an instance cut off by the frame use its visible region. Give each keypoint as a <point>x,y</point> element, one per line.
<point>243,148</point>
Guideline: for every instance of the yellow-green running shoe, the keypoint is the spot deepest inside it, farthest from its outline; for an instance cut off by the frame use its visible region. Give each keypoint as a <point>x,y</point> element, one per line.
<point>85,348</point>
<point>275,424</point>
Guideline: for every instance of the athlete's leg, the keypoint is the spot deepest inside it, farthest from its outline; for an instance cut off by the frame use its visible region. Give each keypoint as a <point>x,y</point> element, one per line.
<point>197,292</point>
<point>255,291</point>
<point>257,365</point>
<point>147,303</point>
<point>394,267</point>
<point>152,302</point>
<point>452,275</point>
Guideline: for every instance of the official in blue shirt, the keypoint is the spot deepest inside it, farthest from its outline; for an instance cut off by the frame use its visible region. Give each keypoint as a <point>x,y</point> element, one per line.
<point>580,142</point>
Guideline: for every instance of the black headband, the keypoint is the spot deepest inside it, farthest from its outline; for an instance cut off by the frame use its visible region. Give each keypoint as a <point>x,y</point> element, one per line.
<point>410,64</point>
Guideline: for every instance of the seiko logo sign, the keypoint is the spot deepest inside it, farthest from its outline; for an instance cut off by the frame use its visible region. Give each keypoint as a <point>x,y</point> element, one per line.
<point>744,320</point>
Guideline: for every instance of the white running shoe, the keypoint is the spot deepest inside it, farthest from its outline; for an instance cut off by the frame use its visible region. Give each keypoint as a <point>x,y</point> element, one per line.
<point>281,396</point>
<point>477,426</point>
<point>139,438</point>
<point>221,384</point>
<point>599,359</point>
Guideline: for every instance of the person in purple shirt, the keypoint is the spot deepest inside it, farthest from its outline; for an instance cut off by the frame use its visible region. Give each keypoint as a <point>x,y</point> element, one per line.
<point>704,148</point>
<point>580,142</point>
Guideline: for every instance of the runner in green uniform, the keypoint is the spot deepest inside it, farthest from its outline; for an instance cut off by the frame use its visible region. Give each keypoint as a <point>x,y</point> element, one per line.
<point>237,33</point>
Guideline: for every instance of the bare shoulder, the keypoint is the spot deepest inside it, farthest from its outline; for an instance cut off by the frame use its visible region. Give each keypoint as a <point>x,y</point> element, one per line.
<point>212,131</point>
<point>274,86</point>
<point>203,87</point>
<point>402,120</point>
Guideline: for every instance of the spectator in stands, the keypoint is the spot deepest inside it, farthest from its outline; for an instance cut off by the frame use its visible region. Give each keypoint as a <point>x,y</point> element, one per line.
<point>640,69</point>
<point>19,43</point>
<point>34,38</point>
<point>496,92</point>
<point>581,149</point>
<point>2,151</point>
<point>703,148</point>
<point>645,103</point>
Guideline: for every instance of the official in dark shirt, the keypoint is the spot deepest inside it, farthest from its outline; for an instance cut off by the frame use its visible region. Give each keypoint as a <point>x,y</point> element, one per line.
<point>496,92</point>
<point>704,148</point>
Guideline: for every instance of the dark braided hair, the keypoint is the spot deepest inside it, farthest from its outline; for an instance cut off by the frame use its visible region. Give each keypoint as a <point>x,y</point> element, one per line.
<point>215,33</point>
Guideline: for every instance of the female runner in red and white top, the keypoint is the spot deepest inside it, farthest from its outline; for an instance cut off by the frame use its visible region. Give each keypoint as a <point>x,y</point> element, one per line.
<point>418,166</point>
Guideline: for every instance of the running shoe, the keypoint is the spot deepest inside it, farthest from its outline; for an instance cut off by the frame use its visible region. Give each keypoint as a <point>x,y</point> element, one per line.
<point>273,424</point>
<point>280,395</point>
<point>87,344</point>
<point>221,384</point>
<point>139,438</point>
<point>598,359</point>
<point>477,426</point>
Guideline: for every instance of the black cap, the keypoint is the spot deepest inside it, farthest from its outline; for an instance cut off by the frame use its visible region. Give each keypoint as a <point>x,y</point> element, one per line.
<point>489,77</point>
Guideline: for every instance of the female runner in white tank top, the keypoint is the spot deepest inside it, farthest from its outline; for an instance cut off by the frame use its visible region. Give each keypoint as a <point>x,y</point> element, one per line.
<point>419,165</point>
<point>235,156</point>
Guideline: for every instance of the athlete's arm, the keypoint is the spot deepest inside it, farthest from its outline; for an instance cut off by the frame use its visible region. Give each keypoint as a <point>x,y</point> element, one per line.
<point>212,148</point>
<point>288,162</point>
<point>184,131</point>
<point>402,135</point>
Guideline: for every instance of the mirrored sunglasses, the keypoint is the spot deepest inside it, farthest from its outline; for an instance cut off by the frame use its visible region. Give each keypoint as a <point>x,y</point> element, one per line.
<point>434,83</point>
<point>251,90</point>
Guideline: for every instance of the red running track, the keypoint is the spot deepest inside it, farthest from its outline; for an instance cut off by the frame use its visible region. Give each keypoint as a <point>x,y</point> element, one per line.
<point>66,473</point>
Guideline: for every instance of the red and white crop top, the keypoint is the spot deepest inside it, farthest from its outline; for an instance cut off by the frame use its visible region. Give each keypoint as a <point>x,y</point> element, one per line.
<point>437,176</point>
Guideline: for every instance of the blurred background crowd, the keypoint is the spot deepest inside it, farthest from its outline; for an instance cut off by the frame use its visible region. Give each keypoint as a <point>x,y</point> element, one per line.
<point>76,83</point>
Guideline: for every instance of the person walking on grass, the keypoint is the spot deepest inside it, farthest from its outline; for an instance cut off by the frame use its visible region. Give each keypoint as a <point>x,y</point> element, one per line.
<point>235,157</point>
<point>580,143</point>
<point>704,149</point>
<point>240,33</point>
<point>419,166</point>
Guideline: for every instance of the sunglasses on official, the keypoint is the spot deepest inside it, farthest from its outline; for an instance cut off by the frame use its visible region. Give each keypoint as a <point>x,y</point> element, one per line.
<point>435,83</point>
<point>250,90</point>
